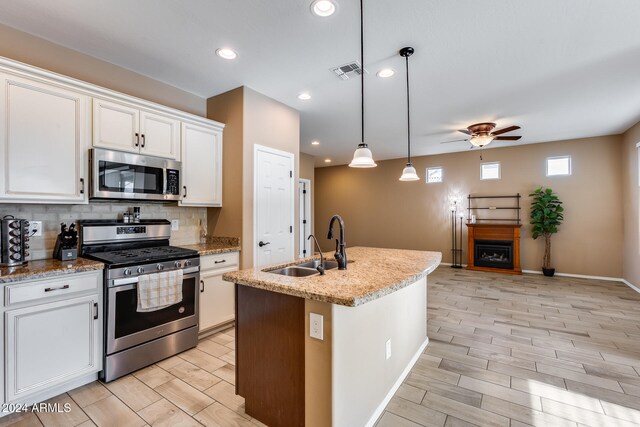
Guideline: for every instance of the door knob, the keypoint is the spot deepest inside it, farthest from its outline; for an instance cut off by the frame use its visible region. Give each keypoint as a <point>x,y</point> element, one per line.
<point>261,244</point>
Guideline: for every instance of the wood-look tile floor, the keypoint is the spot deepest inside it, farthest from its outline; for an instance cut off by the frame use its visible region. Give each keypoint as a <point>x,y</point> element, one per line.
<point>504,351</point>
<point>194,388</point>
<point>524,350</point>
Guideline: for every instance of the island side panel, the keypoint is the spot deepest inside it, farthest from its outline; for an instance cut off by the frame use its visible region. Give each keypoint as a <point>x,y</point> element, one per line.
<point>270,356</point>
<point>318,356</point>
<point>362,377</point>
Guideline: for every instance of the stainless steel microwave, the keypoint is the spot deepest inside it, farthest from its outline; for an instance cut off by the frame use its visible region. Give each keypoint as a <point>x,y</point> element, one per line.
<point>119,175</point>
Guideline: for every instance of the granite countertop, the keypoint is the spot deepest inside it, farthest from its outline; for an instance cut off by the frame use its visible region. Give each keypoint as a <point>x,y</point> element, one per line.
<point>46,268</point>
<point>216,245</point>
<point>371,274</point>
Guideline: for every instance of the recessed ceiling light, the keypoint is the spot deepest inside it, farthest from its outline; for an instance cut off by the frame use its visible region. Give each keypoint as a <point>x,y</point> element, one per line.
<point>323,8</point>
<point>327,160</point>
<point>385,73</point>
<point>226,53</point>
<point>315,143</point>
<point>304,96</point>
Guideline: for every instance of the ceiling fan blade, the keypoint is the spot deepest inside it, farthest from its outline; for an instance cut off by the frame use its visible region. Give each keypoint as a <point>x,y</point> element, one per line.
<point>505,130</point>
<point>455,140</point>
<point>465,131</point>
<point>507,138</point>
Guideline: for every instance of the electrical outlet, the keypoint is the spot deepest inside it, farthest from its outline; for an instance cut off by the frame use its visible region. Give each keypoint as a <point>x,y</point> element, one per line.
<point>316,329</point>
<point>175,224</point>
<point>388,349</point>
<point>35,228</point>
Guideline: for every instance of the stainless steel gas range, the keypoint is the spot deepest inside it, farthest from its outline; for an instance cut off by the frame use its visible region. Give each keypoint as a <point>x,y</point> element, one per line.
<point>136,339</point>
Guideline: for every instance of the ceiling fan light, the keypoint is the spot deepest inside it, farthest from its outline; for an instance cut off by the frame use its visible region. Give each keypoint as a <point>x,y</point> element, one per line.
<point>362,158</point>
<point>481,140</point>
<point>409,173</point>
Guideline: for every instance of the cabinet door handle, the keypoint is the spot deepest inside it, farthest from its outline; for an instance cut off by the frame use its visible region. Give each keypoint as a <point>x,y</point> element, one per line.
<point>137,144</point>
<point>143,141</point>
<point>95,311</point>
<point>184,194</point>
<point>201,286</point>
<point>56,289</point>
<point>82,186</point>
<point>220,262</point>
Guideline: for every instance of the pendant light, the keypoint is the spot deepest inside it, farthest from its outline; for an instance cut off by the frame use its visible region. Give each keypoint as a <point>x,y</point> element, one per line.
<point>409,172</point>
<point>362,157</point>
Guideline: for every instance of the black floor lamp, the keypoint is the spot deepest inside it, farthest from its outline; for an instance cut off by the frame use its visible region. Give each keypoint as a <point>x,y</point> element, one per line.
<point>456,237</point>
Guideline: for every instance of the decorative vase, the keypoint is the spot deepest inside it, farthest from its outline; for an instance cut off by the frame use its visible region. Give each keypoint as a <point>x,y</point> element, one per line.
<point>549,272</point>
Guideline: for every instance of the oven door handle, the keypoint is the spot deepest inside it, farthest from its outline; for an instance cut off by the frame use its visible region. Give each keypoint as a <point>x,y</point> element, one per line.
<point>133,280</point>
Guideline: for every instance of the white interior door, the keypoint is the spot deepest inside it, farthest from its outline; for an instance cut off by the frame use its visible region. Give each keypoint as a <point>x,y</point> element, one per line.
<point>273,206</point>
<point>304,195</point>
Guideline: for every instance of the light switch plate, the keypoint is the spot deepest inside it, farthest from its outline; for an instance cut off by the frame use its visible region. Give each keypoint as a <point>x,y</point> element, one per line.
<point>388,349</point>
<point>175,224</point>
<point>316,326</point>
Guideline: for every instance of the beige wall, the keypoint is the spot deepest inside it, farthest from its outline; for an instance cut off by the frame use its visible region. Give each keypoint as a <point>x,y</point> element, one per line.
<point>271,124</point>
<point>307,171</point>
<point>228,108</point>
<point>381,211</point>
<point>41,53</point>
<point>251,118</point>
<point>630,200</point>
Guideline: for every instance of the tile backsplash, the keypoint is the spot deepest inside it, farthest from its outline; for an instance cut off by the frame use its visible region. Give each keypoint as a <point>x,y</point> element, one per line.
<point>52,215</point>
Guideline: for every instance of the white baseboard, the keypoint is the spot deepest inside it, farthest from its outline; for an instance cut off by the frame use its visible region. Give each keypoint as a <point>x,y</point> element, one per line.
<point>376,414</point>
<point>631,285</point>
<point>584,276</point>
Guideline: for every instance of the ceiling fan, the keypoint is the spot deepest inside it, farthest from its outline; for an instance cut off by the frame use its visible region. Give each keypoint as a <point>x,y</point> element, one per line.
<point>482,134</point>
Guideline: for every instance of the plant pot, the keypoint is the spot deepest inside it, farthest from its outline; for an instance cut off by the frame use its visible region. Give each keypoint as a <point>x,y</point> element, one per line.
<point>549,272</point>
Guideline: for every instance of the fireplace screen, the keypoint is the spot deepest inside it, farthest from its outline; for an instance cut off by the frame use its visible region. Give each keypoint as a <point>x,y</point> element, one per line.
<point>493,253</point>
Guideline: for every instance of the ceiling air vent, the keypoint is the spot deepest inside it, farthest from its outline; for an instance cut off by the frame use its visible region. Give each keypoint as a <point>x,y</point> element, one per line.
<point>346,71</point>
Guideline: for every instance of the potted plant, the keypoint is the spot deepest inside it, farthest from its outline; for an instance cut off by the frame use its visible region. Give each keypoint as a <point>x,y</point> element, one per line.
<point>546,216</point>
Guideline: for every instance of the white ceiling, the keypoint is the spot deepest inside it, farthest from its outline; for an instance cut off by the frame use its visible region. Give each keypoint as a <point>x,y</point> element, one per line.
<point>558,68</point>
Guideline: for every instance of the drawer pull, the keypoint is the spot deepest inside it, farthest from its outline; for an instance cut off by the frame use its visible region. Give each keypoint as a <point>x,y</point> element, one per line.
<point>56,289</point>
<point>201,286</point>
<point>95,313</point>
<point>221,261</point>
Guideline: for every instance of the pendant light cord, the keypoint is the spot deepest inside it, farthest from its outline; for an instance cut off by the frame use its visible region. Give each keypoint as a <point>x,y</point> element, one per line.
<point>408,115</point>
<point>362,71</point>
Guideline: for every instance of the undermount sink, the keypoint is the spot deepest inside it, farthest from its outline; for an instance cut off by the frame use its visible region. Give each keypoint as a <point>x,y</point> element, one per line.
<point>328,265</point>
<point>295,271</point>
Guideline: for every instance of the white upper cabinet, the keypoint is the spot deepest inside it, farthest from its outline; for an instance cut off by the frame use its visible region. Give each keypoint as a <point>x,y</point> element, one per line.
<point>123,127</point>
<point>44,134</point>
<point>201,165</point>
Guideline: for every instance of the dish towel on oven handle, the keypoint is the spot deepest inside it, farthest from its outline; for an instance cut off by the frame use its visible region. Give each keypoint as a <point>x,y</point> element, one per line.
<point>159,290</point>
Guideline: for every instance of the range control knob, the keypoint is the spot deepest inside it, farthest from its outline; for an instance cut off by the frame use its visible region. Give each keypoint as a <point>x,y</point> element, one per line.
<point>25,238</point>
<point>127,272</point>
<point>177,264</point>
<point>26,246</point>
<point>14,249</point>
<point>160,266</point>
<point>15,257</point>
<point>14,233</point>
<point>14,240</point>
<point>140,270</point>
<point>187,263</point>
<point>14,224</point>
<point>26,254</point>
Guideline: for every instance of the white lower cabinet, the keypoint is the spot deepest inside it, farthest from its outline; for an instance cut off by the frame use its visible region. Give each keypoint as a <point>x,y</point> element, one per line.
<point>49,344</point>
<point>217,297</point>
<point>53,341</point>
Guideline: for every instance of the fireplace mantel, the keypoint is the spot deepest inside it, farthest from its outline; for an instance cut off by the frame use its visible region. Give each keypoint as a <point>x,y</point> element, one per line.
<point>505,232</point>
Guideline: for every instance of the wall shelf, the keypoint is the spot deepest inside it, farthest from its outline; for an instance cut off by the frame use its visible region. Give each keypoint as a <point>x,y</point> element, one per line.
<point>482,203</point>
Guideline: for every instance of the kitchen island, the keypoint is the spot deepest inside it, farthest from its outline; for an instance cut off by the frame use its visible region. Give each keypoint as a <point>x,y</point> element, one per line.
<point>372,329</point>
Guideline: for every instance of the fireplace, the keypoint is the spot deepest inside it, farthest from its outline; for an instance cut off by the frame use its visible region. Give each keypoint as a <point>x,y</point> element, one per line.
<point>494,247</point>
<point>493,253</point>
